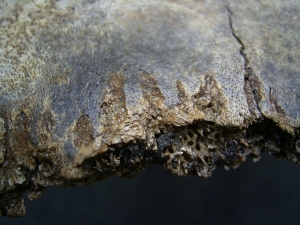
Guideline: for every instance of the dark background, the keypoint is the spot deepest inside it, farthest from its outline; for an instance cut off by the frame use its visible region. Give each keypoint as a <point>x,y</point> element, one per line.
<point>267,192</point>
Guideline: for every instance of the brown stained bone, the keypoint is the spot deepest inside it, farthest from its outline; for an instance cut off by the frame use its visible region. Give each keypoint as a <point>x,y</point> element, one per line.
<point>91,89</point>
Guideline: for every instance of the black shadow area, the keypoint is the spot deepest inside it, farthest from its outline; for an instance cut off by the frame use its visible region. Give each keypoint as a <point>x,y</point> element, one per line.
<point>267,192</point>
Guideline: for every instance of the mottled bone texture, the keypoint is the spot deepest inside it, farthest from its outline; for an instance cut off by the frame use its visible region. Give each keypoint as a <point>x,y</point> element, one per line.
<point>99,88</point>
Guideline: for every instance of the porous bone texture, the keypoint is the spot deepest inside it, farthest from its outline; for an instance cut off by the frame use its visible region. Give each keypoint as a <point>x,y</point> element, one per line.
<point>96,88</point>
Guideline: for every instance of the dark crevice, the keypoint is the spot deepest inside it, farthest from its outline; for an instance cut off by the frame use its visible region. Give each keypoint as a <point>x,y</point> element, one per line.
<point>6,139</point>
<point>248,70</point>
<point>246,61</point>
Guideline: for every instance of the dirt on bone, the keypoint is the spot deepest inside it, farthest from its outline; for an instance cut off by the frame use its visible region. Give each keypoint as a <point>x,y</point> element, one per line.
<point>90,89</point>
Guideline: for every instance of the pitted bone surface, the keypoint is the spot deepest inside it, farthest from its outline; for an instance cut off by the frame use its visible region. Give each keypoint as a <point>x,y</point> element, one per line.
<point>91,89</point>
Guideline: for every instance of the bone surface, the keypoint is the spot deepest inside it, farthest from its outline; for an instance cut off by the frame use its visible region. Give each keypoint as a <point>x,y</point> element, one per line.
<point>98,88</point>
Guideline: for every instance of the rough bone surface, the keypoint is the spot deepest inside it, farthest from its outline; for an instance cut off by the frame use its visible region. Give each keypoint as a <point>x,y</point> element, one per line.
<point>91,89</point>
